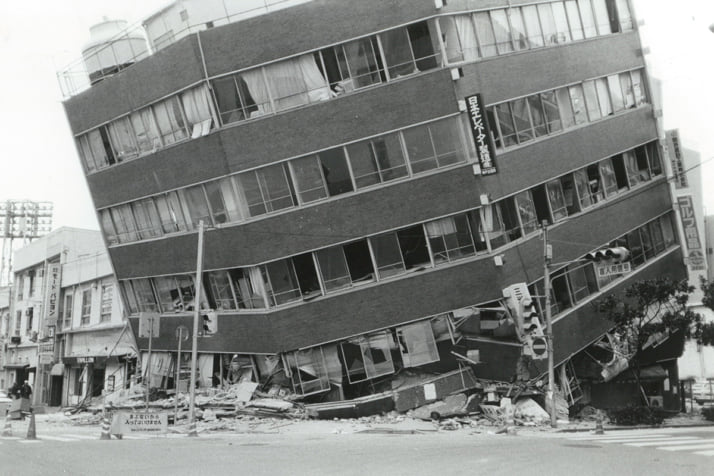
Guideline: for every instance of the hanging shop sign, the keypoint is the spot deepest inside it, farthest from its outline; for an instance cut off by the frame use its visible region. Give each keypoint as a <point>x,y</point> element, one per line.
<point>52,298</point>
<point>675,156</point>
<point>613,269</point>
<point>695,253</point>
<point>480,132</point>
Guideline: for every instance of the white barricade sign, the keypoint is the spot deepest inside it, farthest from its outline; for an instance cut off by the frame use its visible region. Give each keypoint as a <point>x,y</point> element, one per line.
<point>124,423</point>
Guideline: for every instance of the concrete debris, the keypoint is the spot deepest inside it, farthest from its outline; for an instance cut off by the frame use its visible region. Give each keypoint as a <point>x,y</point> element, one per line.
<point>529,411</point>
<point>449,406</point>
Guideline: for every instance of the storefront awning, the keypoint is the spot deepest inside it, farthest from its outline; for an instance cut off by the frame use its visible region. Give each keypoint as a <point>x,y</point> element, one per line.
<point>57,369</point>
<point>16,366</point>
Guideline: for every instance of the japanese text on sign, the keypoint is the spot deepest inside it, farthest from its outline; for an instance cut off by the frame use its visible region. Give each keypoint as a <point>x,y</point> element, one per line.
<point>691,233</point>
<point>479,130</point>
<point>675,155</point>
<point>139,422</point>
<point>613,269</point>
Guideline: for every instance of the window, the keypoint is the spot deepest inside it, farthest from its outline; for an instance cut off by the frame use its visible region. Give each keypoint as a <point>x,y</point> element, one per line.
<point>505,125</point>
<point>618,100</point>
<point>535,33</point>
<point>412,244</point>
<point>527,212</point>
<point>196,205</point>
<point>220,293</point>
<point>168,294</point>
<point>501,31</point>
<point>624,15</point>
<point>577,98</point>
<point>433,145</point>
<point>122,139</point>
<point>459,36</point>
<point>518,29</point>
<point>588,18</point>
<point>86,307</point>
<point>537,114</point>
<point>129,297</point>
<point>170,120</point>
<point>283,284</point>
<point>565,108</point>
<point>450,239</point>
<point>309,371</point>
<point>223,200</point>
<point>196,105</point>
<point>147,218</point>
<point>235,102</point>
<point>638,88</point>
<point>376,160</point>
<point>603,95</point>
<point>522,120</point>
<point>417,344</point>
<point>67,324</point>
<point>556,198</point>
<point>552,114</point>
<point>146,131</point>
<point>30,313</point>
<point>345,266</point>
<point>387,255</point>
<point>591,100</point>
<point>144,293</point>
<point>486,36</point>
<point>547,21</point>
<point>336,172</point>
<point>583,281</point>
<point>106,302</point>
<point>124,223</point>
<point>408,50</point>
<point>576,27</point>
<point>170,212</point>
<point>308,179</point>
<point>501,222</point>
<point>290,83</point>
<point>18,323</point>
<point>367,357</point>
<point>627,91</point>
<point>249,288</point>
<point>265,190</point>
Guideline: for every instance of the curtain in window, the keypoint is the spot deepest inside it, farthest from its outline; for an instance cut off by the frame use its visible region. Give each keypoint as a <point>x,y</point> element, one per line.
<point>147,131</point>
<point>258,90</point>
<point>196,205</point>
<point>124,223</point>
<point>633,173</point>
<point>638,88</point>
<point>198,110</point>
<point>628,92</point>
<point>603,94</point>
<point>609,179</point>
<point>170,213</point>
<point>122,137</point>
<point>591,101</point>
<point>105,221</point>
<point>501,31</point>
<point>85,151</point>
<point>249,287</point>
<point>577,97</point>
<point>250,200</point>
<point>486,38</point>
<point>565,108</point>
<point>170,120</point>
<point>518,29</point>
<point>147,218</point>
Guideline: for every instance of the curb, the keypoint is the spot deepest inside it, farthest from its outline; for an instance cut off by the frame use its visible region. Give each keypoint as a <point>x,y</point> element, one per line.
<point>639,427</point>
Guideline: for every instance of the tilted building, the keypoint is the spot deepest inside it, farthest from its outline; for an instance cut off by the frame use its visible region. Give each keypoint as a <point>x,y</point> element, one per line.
<point>373,175</point>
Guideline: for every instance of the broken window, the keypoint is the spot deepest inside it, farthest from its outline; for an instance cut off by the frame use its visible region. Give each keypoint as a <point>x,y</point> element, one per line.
<point>556,198</point>
<point>387,255</point>
<point>417,344</point>
<point>292,279</point>
<point>450,238</point>
<point>653,159</point>
<point>408,50</point>
<point>309,181</point>
<point>248,284</point>
<point>196,105</point>
<point>335,171</point>
<point>168,294</point>
<point>377,160</point>
<point>146,130</point>
<point>527,212</point>
<point>368,357</point>
<point>308,371</point>
<point>477,232</point>
<point>609,179</point>
<point>170,212</point>
<point>345,266</point>
<point>145,298</point>
<point>220,292</point>
<point>657,237</point>
<point>570,194</point>
<point>412,244</point>
<point>582,281</point>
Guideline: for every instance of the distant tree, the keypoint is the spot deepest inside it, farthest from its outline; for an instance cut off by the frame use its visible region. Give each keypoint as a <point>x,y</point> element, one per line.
<point>652,309</point>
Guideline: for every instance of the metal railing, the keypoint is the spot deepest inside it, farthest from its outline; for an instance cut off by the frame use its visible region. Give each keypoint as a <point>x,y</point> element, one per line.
<point>122,50</point>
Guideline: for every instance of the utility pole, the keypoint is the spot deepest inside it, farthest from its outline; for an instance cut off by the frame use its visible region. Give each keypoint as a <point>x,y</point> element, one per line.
<point>194,345</point>
<point>547,257</point>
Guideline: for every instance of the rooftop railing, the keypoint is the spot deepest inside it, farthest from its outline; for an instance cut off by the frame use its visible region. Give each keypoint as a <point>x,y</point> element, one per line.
<point>142,39</point>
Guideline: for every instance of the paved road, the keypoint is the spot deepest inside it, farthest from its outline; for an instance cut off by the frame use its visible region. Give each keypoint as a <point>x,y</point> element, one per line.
<point>78,451</point>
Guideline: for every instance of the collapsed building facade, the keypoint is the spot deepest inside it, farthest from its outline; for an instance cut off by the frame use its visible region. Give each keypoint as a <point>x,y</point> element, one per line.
<point>373,176</point>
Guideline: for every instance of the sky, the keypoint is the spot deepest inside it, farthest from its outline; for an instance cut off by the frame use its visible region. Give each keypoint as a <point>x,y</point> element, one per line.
<point>37,38</point>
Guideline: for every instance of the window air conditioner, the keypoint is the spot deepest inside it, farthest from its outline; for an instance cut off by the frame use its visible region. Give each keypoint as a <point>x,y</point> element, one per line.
<point>656,402</point>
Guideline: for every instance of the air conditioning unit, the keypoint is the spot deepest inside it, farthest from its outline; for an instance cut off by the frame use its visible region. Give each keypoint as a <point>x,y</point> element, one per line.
<point>15,339</point>
<point>29,311</point>
<point>656,402</point>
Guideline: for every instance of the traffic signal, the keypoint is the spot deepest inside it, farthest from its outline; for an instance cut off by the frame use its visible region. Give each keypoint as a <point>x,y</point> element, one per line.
<point>209,323</point>
<point>532,329</point>
<point>615,254</point>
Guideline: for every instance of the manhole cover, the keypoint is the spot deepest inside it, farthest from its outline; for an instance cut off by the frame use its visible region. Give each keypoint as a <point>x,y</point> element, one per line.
<point>582,446</point>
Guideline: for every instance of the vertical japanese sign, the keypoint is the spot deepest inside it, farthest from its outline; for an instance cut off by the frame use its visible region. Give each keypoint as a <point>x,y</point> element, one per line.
<point>53,289</point>
<point>479,130</point>
<point>691,234</point>
<point>674,150</point>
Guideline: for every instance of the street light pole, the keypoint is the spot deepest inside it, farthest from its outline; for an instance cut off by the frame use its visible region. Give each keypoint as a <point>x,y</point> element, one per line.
<point>547,257</point>
<point>194,344</point>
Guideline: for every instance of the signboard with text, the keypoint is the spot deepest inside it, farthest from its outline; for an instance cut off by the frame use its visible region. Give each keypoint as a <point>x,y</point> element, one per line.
<point>613,269</point>
<point>674,151</point>
<point>480,132</point>
<point>52,296</point>
<point>141,422</point>
<point>695,251</point>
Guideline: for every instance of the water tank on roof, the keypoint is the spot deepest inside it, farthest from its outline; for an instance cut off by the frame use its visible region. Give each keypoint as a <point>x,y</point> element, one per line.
<point>111,48</point>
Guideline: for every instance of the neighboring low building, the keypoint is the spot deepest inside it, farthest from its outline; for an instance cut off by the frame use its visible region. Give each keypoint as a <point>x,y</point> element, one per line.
<point>66,333</point>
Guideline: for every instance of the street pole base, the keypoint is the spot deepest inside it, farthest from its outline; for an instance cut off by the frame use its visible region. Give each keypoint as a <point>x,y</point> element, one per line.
<point>192,430</point>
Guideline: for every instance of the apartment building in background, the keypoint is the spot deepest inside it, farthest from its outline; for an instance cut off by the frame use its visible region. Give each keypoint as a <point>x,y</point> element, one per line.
<point>370,188</point>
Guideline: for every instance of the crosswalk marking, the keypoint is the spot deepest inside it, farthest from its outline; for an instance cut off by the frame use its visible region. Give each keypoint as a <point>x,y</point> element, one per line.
<point>703,445</point>
<point>29,441</point>
<point>617,437</point>
<point>705,453</point>
<point>636,439</point>
<point>56,438</point>
<point>680,440</point>
<point>82,437</point>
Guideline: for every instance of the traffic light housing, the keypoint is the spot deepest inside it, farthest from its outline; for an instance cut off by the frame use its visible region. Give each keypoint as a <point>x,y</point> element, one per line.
<point>527,318</point>
<point>616,254</point>
<point>209,323</point>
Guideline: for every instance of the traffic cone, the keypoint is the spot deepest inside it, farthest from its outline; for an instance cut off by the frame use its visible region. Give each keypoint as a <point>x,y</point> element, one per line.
<point>598,427</point>
<point>7,429</point>
<point>31,433</point>
<point>106,433</point>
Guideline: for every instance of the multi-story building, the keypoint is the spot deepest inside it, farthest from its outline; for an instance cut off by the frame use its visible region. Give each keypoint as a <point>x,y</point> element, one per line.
<point>372,176</point>
<point>66,333</point>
